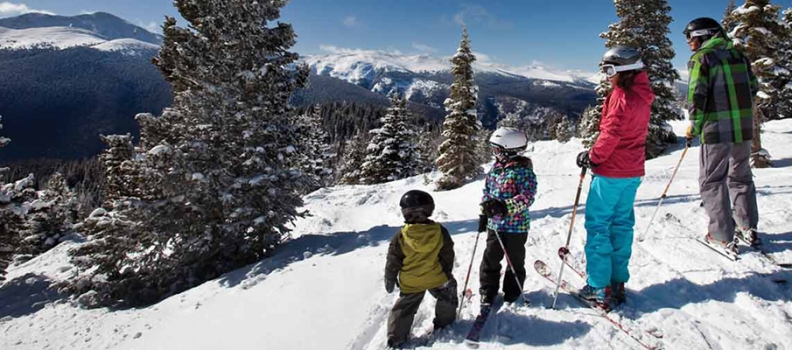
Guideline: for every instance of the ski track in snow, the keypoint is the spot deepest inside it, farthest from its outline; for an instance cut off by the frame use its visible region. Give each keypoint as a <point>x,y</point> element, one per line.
<point>324,289</point>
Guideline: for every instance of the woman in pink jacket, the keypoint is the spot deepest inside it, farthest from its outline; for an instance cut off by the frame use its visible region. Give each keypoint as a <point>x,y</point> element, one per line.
<point>617,161</point>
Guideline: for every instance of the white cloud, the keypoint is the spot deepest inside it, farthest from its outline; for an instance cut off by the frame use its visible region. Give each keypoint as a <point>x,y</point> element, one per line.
<point>481,57</point>
<point>153,27</point>
<point>351,22</point>
<point>476,14</point>
<point>9,9</point>
<point>423,47</point>
<point>335,50</point>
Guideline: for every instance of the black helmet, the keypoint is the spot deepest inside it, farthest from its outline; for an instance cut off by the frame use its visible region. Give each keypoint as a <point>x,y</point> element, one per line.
<point>416,206</point>
<point>703,27</point>
<point>621,59</point>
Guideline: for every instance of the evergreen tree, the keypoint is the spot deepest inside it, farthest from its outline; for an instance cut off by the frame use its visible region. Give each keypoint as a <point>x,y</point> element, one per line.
<point>588,129</point>
<point>10,222</point>
<point>458,160</point>
<point>50,217</point>
<point>644,24</point>
<point>564,130</point>
<point>428,143</point>
<point>391,155</point>
<point>758,33</point>
<point>483,148</point>
<point>785,52</point>
<point>116,161</point>
<point>215,188</point>
<point>15,201</point>
<point>353,154</point>
<point>314,156</point>
<point>729,21</point>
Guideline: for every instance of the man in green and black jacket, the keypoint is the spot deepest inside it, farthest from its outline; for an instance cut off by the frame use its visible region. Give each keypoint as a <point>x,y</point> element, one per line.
<point>720,99</point>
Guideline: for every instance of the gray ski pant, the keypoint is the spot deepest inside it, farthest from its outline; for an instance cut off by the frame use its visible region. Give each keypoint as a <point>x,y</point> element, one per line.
<point>403,313</point>
<point>727,188</point>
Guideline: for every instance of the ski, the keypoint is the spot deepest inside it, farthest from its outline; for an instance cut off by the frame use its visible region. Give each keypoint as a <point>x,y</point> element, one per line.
<point>545,272</point>
<point>473,336</point>
<point>760,249</point>
<point>728,255</point>
<point>563,253</point>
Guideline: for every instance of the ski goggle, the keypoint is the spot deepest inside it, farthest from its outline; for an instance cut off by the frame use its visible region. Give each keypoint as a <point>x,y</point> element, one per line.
<point>499,151</point>
<point>697,33</point>
<point>611,69</point>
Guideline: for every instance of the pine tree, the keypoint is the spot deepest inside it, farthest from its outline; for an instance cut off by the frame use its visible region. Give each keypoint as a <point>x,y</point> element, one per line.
<point>458,160</point>
<point>729,22</point>
<point>758,33</point>
<point>214,187</point>
<point>483,148</point>
<point>588,128</point>
<point>49,218</point>
<point>644,25</point>
<point>116,161</point>
<point>314,155</point>
<point>391,155</point>
<point>428,143</point>
<point>15,199</point>
<point>10,222</point>
<point>353,155</point>
<point>564,130</point>
<point>785,52</point>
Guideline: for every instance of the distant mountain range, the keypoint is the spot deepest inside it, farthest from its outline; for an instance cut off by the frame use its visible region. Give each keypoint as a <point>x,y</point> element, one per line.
<point>68,79</point>
<point>99,24</point>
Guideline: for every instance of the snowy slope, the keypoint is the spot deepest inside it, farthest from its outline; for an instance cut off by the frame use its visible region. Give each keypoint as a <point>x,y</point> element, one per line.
<point>66,37</point>
<point>59,37</point>
<point>324,290</point>
<point>126,46</point>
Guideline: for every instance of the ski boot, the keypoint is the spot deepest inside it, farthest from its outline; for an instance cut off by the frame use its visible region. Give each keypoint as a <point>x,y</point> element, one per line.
<point>748,235</point>
<point>618,294</point>
<point>600,297</point>
<point>728,247</point>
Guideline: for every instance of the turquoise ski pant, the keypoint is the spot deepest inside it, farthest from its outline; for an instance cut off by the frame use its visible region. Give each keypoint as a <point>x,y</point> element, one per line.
<point>610,219</point>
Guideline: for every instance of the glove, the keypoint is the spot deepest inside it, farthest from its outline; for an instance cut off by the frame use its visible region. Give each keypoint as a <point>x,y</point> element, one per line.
<point>584,160</point>
<point>563,252</point>
<point>689,133</point>
<point>482,223</point>
<point>494,207</point>
<point>389,285</point>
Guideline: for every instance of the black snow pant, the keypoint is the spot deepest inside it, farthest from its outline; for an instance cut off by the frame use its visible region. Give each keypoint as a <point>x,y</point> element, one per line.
<point>489,273</point>
<point>403,313</point>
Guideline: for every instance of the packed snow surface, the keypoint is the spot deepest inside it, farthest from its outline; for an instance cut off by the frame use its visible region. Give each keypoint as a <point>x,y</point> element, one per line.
<point>324,289</point>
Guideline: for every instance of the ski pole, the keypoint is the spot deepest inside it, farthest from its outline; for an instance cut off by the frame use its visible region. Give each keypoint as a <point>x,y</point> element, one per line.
<point>514,272</point>
<point>643,236</point>
<point>467,278</point>
<point>569,235</point>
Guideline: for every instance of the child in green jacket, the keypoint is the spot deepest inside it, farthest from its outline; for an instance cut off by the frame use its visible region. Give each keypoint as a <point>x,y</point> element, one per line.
<point>420,256</point>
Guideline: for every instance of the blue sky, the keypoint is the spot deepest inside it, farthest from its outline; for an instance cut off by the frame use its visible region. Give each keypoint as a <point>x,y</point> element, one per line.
<point>558,34</point>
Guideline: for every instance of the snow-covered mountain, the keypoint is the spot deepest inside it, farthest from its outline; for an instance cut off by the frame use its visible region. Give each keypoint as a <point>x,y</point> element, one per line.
<point>68,37</point>
<point>104,25</point>
<point>98,75</point>
<point>101,31</point>
<point>427,80</point>
<point>324,288</point>
<point>359,66</point>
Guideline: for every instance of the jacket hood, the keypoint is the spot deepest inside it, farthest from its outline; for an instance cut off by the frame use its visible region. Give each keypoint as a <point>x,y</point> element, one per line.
<point>642,88</point>
<point>422,238</point>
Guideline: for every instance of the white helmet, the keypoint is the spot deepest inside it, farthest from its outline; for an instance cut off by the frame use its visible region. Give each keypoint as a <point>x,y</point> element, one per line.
<point>509,139</point>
